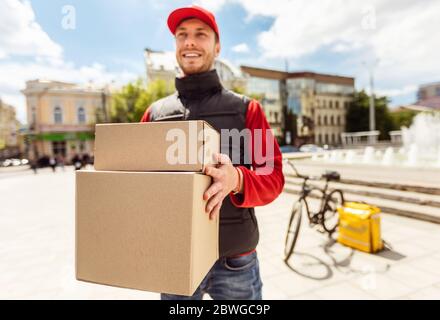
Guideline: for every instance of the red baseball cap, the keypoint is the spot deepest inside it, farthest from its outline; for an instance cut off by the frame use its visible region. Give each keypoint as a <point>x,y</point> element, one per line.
<point>178,15</point>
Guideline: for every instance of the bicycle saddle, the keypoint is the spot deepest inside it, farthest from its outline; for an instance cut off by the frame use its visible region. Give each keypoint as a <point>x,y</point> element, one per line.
<point>332,175</point>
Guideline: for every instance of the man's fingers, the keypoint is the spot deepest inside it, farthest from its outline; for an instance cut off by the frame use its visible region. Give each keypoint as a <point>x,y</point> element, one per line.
<point>212,203</point>
<point>215,211</point>
<point>212,190</point>
<point>222,158</point>
<point>214,172</point>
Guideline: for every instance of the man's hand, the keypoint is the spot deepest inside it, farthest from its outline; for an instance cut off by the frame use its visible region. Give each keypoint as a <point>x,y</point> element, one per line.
<point>225,179</point>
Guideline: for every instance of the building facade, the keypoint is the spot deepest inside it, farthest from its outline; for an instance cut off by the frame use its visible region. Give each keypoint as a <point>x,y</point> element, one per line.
<point>428,96</point>
<point>318,101</point>
<point>9,128</point>
<point>62,117</point>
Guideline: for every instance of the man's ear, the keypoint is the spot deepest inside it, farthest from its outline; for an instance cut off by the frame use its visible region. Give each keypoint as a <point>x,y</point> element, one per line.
<point>217,49</point>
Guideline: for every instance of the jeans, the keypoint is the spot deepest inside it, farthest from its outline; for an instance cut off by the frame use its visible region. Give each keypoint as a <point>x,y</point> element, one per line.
<point>235,278</point>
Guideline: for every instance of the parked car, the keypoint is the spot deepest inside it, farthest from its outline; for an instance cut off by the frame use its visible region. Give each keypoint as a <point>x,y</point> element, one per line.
<point>288,148</point>
<point>310,148</point>
<point>13,162</point>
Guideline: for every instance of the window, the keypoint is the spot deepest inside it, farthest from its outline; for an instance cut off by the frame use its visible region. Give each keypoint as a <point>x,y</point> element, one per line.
<point>81,115</point>
<point>58,115</point>
<point>331,120</point>
<point>325,120</point>
<point>326,138</point>
<point>318,120</point>
<point>337,104</point>
<point>331,104</point>
<point>59,148</point>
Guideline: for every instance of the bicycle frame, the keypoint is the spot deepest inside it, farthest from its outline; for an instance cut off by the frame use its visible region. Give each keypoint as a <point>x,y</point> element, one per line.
<point>306,189</point>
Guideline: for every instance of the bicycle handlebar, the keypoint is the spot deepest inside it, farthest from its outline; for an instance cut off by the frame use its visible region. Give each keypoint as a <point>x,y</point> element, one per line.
<point>300,175</point>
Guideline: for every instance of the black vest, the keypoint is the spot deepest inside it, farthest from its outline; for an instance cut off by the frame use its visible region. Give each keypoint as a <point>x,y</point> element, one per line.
<point>202,97</point>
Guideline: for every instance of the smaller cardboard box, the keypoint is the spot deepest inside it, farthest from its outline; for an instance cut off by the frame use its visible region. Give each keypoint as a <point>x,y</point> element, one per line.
<point>156,146</point>
<point>144,230</point>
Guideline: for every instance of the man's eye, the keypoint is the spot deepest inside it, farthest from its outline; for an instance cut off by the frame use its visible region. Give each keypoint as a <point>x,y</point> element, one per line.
<point>201,35</point>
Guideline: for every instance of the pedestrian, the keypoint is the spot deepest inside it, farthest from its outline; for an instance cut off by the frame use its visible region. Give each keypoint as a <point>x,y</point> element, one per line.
<point>34,165</point>
<point>60,161</point>
<point>76,161</point>
<point>52,163</point>
<point>237,187</point>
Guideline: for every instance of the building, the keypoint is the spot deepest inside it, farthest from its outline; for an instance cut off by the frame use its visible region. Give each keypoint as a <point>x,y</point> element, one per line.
<point>163,65</point>
<point>318,101</point>
<point>61,117</point>
<point>9,127</point>
<point>429,90</point>
<point>428,96</point>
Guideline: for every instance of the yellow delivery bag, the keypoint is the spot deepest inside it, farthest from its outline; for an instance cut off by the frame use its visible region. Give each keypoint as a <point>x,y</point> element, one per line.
<point>359,227</point>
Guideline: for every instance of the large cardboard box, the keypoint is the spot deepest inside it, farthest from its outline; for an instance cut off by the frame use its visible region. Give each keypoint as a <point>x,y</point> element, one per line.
<point>156,146</point>
<point>144,230</point>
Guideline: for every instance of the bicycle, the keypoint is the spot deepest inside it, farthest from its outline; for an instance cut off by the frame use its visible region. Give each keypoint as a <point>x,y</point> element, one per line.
<point>326,217</point>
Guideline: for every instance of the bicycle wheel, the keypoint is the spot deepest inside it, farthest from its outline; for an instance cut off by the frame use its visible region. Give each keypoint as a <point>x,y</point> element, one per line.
<point>293,228</point>
<point>333,201</point>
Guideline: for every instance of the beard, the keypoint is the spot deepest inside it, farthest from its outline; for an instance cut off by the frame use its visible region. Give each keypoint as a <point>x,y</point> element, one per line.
<point>198,65</point>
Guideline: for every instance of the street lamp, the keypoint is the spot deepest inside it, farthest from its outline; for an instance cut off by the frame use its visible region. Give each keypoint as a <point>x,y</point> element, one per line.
<point>370,70</point>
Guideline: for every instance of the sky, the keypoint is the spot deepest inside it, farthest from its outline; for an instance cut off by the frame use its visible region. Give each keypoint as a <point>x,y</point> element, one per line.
<point>103,41</point>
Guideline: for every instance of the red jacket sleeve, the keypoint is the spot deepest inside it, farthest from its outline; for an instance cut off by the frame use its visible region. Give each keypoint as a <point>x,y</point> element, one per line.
<point>146,116</point>
<point>265,182</point>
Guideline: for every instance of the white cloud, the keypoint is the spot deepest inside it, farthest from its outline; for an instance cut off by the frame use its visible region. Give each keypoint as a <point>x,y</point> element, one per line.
<point>21,35</point>
<point>397,92</point>
<point>240,48</point>
<point>211,5</point>
<point>39,57</point>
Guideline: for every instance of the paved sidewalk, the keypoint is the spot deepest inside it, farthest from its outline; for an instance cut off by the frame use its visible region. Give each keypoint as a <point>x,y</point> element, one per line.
<point>37,252</point>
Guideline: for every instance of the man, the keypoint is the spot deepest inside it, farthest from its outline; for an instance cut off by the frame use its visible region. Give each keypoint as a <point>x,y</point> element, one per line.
<point>236,187</point>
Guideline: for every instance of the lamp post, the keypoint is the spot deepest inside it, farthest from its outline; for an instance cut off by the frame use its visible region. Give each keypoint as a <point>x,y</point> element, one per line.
<point>370,70</point>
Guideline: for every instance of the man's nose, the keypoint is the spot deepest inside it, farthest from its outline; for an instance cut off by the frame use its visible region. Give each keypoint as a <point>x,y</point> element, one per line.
<point>189,42</point>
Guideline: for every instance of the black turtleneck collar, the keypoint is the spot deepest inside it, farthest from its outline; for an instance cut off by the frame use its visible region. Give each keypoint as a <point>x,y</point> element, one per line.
<point>198,85</point>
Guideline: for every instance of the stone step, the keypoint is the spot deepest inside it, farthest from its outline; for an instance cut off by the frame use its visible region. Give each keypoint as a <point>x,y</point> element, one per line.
<point>386,185</point>
<point>384,193</point>
<point>420,179</point>
<point>416,211</point>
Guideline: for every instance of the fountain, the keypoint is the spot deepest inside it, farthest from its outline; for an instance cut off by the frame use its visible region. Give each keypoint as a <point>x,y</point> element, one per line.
<point>422,139</point>
<point>350,156</point>
<point>412,158</point>
<point>388,157</point>
<point>368,155</point>
<point>421,147</point>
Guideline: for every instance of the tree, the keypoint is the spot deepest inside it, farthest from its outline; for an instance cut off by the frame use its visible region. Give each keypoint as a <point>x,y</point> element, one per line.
<point>357,118</point>
<point>402,118</point>
<point>130,103</point>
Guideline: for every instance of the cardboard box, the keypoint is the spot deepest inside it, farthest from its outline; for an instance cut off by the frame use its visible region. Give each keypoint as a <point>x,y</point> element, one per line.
<point>156,146</point>
<point>144,230</point>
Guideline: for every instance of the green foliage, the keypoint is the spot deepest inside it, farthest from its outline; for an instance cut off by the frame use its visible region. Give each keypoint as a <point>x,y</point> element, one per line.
<point>130,103</point>
<point>402,118</point>
<point>358,115</point>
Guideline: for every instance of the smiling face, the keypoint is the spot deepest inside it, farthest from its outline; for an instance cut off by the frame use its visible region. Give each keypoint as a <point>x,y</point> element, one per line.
<point>196,46</point>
